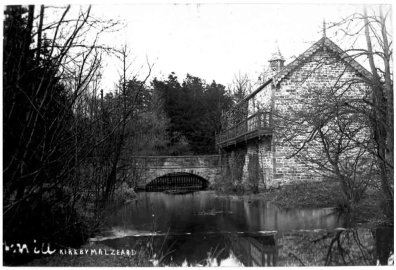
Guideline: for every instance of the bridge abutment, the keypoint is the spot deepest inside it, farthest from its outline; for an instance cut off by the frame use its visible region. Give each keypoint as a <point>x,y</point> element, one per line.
<point>249,165</point>
<point>260,164</point>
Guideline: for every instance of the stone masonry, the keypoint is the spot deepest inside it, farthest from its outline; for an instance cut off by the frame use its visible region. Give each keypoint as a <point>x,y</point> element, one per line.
<point>152,167</point>
<point>265,161</point>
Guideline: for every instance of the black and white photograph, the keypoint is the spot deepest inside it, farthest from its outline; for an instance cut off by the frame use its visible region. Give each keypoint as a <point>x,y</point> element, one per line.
<point>197,134</point>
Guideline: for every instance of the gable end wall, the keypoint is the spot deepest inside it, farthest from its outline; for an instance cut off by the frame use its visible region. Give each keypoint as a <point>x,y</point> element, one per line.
<point>323,69</point>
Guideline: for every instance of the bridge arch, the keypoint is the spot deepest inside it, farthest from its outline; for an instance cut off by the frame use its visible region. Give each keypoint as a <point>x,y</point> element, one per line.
<point>178,180</point>
<point>152,167</point>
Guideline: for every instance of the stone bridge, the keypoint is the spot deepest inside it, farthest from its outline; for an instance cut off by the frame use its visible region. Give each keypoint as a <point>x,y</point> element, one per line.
<point>152,167</point>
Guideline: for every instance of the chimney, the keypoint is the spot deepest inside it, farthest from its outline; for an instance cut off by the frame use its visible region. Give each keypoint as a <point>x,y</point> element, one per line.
<point>276,62</point>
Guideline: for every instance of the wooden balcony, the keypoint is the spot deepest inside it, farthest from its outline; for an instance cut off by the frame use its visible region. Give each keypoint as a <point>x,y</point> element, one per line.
<point>255,126</point>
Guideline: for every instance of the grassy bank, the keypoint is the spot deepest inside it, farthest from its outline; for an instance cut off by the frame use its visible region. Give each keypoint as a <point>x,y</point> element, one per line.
<point>328,194</point>
<point>309,195</point>
<point>303,195</point>
<point>315,195</point>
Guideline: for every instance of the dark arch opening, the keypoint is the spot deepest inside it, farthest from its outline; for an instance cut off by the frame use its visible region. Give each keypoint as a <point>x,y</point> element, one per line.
<point>179,181</point>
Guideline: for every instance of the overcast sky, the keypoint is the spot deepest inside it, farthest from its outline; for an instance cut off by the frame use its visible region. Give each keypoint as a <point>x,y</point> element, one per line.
<point>215,41</point>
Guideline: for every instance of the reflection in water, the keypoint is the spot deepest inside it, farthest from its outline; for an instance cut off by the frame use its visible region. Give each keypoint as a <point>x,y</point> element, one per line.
<point>339,247</point>
<point>357,246</point>
<point>202,229</point>
<point>203,211</point>
<point>385,245</point>
<point>216,249</point>
<point>298,248</point>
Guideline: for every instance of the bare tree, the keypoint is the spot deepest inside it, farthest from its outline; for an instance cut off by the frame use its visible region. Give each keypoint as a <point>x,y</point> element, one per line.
<point>343,127</point>
<point>371,27</point>
<point>128,102</point>
<point>45,113</point>
<point>240,87</point>
<point>330,138</point>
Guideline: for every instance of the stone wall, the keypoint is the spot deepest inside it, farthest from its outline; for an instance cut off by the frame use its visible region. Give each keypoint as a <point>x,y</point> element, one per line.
<point>233,164</point>
<point>150,168</point>
<point>266,162</point>
<point>261,100</point>
<point>249,165</point>
<point>324,71</point>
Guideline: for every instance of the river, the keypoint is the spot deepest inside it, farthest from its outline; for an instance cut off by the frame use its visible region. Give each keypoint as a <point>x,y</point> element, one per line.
<point>204,229</point>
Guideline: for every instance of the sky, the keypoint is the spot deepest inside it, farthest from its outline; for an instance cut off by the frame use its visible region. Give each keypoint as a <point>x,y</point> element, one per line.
<point>213,41</point>
<point>217,41</point>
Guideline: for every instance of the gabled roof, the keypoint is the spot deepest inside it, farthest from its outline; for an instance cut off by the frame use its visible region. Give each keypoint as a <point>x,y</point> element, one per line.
<point>323,42</point>
<point>330,45</point>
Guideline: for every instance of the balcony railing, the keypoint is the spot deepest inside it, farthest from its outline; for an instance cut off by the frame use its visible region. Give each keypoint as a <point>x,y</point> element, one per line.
<point>256,125</point>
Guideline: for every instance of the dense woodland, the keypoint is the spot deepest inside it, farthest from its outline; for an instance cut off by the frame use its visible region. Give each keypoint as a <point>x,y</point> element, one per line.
<point>194,109</point>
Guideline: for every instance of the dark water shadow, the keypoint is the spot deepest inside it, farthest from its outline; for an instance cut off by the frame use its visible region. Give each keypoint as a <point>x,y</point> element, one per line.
<point>343,247</point>
<point>203,229</point>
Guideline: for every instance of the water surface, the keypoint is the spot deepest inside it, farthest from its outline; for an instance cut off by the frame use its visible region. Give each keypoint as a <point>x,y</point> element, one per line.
<point>204,229</point>
<point>203,211</point>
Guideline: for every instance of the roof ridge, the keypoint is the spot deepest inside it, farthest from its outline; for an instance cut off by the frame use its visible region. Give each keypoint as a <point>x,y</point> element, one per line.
<point>324,41</point>
<point>349,59</point>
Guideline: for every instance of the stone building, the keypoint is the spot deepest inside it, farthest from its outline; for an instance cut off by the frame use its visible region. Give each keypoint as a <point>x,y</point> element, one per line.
<point>258,147</point>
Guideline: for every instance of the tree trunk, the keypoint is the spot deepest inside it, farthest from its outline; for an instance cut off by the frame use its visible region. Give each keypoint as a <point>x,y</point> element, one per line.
<point>380,123</point>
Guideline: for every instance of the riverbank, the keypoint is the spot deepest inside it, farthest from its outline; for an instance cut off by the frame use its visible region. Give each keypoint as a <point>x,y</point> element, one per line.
<point>316,195</point>
<point>303,195</point>
<point>328,194</point>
